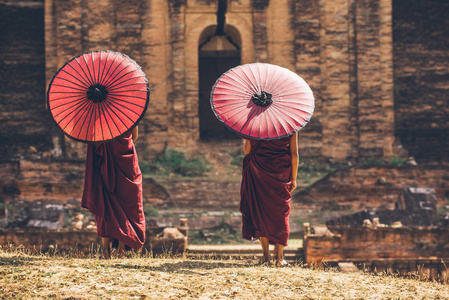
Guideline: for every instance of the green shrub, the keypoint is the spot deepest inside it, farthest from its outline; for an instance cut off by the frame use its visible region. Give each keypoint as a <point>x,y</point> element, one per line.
<point>371,160</point>
<point>150,211</point>
<point>237,158</point>
<point>311,169</point>
<point>175,162</point>
<point>398,161</point>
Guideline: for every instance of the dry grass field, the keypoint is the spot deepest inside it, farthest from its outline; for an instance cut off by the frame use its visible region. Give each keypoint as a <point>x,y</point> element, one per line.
<point>33,275</point>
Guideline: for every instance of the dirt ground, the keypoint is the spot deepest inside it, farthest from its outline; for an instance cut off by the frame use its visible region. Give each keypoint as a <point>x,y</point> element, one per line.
<point>63,276</point>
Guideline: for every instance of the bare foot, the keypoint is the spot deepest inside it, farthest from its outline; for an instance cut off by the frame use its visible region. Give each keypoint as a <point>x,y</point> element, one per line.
<point>121,254</point>
<point>264,242</point>
<point>121,251</point>
<point>282,263</point>
<point>265,260</point>
<point>105,255</point>
<point>106,247</point>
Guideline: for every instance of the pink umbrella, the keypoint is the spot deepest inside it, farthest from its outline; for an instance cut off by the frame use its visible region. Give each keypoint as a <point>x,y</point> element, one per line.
<point>262,101</point>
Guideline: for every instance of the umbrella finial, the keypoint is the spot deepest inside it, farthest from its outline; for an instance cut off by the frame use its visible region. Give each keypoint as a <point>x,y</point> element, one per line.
<point>262,98</point>
<point>97,93</point>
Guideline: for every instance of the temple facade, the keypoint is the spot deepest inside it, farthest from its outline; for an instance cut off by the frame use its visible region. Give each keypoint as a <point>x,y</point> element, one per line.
<point>344,49</point>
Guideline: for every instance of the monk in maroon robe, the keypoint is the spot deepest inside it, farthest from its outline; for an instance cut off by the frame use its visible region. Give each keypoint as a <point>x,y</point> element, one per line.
<point>113,192</point>
<point>268,178</point>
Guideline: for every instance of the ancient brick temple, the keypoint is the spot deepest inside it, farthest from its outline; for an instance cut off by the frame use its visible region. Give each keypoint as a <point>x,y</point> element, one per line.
<point>378,68</point>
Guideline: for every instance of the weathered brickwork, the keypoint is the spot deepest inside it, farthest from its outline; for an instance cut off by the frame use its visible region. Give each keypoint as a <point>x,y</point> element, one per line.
<point>374,78</point>
<point>310,37</point>
<point>343,48</point>
<point>260,35</point>
<point>378,70</point>
<point>156,60</point>
<point>307,57</point>
<point>28,180</point>
<point>358,243</point>
<point>405,251</point>
<point>373,186</point>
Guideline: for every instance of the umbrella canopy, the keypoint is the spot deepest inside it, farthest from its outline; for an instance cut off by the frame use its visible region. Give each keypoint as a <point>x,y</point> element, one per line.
<point>98,96</point>
<point>262,101</point>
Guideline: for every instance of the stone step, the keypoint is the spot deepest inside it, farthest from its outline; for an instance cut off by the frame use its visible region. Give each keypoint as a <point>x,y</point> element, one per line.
<point>291,253</point>
<point>290,259</point>
<point>292,256</point>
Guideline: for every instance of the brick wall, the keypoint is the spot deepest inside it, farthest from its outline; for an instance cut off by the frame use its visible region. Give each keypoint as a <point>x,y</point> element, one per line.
<point>407,251</point>
<point>342,48</point>
<point>358,243</point>
<point>359,188</point>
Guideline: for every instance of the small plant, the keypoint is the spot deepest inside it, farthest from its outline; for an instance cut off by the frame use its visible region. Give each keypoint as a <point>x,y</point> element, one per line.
<point>311,169</point>
<point>175,162</point>
<point>150,211</point>
<point>398,161</point>
<point>237,158</point>
<point>333,206</point>
<point>371,160</point>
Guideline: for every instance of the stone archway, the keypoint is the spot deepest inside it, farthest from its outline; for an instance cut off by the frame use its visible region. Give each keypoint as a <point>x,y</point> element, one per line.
<point>217,53</point>
<point>239,27</point>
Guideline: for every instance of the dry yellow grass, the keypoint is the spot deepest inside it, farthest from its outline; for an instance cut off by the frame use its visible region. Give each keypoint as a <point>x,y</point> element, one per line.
<point>64,276</point>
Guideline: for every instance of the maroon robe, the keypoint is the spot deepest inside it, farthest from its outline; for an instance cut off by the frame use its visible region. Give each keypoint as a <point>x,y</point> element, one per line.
<point>113,191</point>
<point>265,190</point>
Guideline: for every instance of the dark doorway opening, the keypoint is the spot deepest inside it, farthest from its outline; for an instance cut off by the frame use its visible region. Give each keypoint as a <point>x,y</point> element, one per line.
<point>217,54</point>
<point>421,43</point>
<point>25,122</point>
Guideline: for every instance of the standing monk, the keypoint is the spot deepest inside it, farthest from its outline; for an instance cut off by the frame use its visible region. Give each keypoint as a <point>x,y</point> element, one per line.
<point>113,192</point>
<point>268,178</point>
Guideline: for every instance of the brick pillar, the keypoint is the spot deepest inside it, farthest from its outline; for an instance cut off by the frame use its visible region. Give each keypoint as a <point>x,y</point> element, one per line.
<point>99,28</point>
<point>126,37</point>
<point>307,55</point>
<point>387,73</point>
<point>373,31</point>
<point>281,34</point>
<point>127,27</point>
<point>69,37</point>
<point>156,61</point>
<point>178,131</point>
<point>338,131</point>
<point>260,30</point>
<point>51,50</point>
<point>51,66</point>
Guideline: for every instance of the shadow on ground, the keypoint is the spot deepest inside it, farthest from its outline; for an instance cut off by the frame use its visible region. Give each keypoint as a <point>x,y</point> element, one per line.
<point>189,267</point>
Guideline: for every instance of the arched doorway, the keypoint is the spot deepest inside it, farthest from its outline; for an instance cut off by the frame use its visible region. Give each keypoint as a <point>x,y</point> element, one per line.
<point>216,55</point>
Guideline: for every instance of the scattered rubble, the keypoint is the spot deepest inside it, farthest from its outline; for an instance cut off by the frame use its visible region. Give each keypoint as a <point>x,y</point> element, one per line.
<point>414,207</point>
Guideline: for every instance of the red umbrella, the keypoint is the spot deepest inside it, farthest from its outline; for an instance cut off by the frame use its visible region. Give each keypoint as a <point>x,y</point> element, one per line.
<point>98,96</point>
<point>262,101</point>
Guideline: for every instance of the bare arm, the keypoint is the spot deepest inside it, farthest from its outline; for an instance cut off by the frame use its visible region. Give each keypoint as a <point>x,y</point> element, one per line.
<point>135,133</point>
<point>246,146</point>
<point>295,159</point>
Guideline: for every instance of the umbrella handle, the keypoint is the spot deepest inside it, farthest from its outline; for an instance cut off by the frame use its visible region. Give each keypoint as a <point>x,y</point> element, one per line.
<point>97,93</point>
<point>262,98</point>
